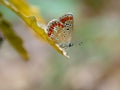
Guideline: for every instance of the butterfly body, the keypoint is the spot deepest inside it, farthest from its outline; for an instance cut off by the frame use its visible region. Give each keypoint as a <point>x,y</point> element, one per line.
<point>60,30</point>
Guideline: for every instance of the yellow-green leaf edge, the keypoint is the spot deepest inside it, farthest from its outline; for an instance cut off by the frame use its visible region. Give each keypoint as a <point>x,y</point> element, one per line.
<point>31,17</point>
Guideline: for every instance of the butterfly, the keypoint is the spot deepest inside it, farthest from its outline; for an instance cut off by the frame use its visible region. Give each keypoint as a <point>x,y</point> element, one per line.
<point>60,30</point>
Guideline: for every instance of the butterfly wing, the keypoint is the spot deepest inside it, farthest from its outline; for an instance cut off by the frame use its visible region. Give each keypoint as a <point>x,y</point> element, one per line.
<point>67,21</point>
<point>60,30</point>
<point>54,31</point>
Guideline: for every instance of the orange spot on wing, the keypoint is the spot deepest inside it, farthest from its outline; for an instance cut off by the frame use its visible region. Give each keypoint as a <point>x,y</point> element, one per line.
<point>51,27</point>
<point>63,20</point>
<point>62,26</point>
<point>50,32</point>
<point>71,18</point>
<point>67,18</point>
<point>59,24</point>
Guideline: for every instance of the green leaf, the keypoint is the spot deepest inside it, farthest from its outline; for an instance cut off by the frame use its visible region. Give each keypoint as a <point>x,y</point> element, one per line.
<point>12,38</point>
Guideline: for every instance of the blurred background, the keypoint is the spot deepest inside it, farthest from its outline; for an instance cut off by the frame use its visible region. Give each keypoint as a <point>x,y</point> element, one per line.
<point>93,65</point>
